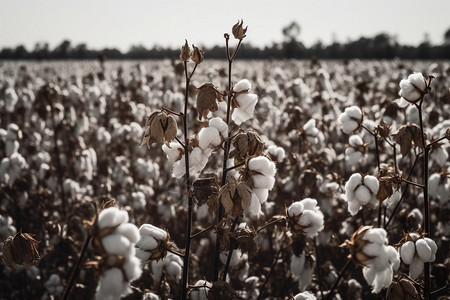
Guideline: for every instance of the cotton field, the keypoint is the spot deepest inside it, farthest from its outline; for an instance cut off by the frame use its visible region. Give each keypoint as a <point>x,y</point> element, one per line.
<point>175,179</point>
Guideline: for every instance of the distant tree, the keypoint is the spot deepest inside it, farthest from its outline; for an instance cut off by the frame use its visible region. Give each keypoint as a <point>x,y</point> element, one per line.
<point>63,50</point>
<point>20,52</point>
<point>447,37</point>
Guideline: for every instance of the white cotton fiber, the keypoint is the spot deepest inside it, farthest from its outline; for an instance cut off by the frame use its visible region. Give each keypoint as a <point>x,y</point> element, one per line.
<point>147,243</point>
<point>220,125</point>
<point>208,137</point>
<point>355,140</point>
<point>295,209</point>
<point>353,207</point>
<point>242,85</point>
<point>150,230</point>
<point>371,182</point>
<point>354,112</point>
<point>111,217</point>
<point>111,285</point>
<point>254,210</point>
<point>416,267</point>
<point>407,252</point>
<point>117,244</point>
<point>432,245</point>
<point>363,195</point>
<point>263,182</point>
<point>132,268</point>
<point>309,126</point>
<point>129,230</point>
<point>142,254</point>
<point>174,152</point>
<point>423,250</point>
<point>309,203</point>
<point>261,194</point>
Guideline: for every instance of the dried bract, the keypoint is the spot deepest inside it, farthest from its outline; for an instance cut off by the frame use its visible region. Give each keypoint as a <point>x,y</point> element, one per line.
<point>160,128</point>
<point>20,250</point>
<point>235,197</point>
<point>206,100</point>
<point>356,245</point>
<point>246,144</point>
<point>185,52</point>
<point>239,31</point>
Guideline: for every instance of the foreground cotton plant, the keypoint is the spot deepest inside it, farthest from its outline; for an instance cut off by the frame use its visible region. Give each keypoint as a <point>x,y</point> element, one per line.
<point>369,249</point>
<point>305,217</point>
<point>360,190</point>
<point>115,238</point>
<point>416,251</point>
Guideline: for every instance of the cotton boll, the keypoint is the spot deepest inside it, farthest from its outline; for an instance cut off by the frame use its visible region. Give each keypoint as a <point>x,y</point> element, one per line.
<point>263,165</point>
<point>305,296</point>
<point>371,182</point>
<point>220,125</point>
<point>433,247</point>
<point>117,244</point>
<point>353,207</point>
<point>393,256</point>
<point>179,168</point>
<point>295,209</point>
<point>132,268</point>
<point>153,231</point>
<point>407,252</point>
<point>354,180</point>
<point>439,155</point>
<point>111,217</point>
<point>247,103</point>
<point>377,236</point>
<point>209,137</point>
<point>423,250</point>
<point>242,85</point>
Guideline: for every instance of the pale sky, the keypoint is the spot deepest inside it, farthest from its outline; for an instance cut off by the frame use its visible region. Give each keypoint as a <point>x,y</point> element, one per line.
<point>120,24</point>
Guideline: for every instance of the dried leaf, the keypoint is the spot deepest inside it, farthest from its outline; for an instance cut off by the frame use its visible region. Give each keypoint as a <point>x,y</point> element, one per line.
<point>160,128</point>
<point>406,135</point>
<point>246,144</point>
<point>204,188</point>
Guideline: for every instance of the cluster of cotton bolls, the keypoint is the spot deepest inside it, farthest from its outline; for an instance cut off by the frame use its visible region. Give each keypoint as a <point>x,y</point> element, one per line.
<point>11,168</point>
<point>360,190</point>
<point>305,217</point>
<point>263,180</point>
<point>246,102</point>
<point>416,251</point>
<point>118,244</point>
<point>171,265</point>
<point>302,269</point>
<point>369,247</point>
<point>311,132</point>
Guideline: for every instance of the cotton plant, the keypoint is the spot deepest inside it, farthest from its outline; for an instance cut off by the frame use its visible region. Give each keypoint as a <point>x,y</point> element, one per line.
<point>370,250</point>
<point>415,251</point>
<point>305,217</point>
<point>359,191</point>
<point>115,238</point>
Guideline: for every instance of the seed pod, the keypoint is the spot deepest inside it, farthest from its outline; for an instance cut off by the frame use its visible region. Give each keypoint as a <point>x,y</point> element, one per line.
<point>197,55</point>
<point>160,128</point>
<point>20,250</point>
<point>238,30</point>
<point>185,52</point>
<point>402,289</point>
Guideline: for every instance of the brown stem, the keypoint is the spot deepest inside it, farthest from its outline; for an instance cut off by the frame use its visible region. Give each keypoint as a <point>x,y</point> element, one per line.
<point>341,274</point>
<point>76,268</point>
<point>272,267</point>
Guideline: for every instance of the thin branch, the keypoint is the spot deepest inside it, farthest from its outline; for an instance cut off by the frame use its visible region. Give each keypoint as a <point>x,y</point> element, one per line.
<point>269,224</point>
<point>203,231</point>
<point>341,274</point>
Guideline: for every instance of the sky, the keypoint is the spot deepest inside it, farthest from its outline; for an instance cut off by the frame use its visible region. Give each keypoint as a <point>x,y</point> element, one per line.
<point>120,24</point>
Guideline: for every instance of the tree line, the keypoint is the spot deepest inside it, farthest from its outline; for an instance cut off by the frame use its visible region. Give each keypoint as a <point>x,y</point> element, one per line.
<point>381,46</point>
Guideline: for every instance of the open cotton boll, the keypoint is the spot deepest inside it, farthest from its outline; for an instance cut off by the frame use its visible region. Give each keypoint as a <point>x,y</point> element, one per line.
<point>209,137</point>
<point>416,267</point>
<point>117,244</point>
<point>371,182</point>
<point>263,165</point>
<point>247,103</point>
<point>310,127</point>
<point>354,180</point>
<point>220,125</point>
<point>179,168</point>
<point>354,112</point>
<point>377,236</point>
<point>433,247</point>
<point>305,296</point>
<point>363,195</point>
<point>295,209</point>
<point>242,85</point>
<point>407,252</point>
<point>111,217</point>
<point>353,207</point>
<point>132,268</point>
<point>147,243</point>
